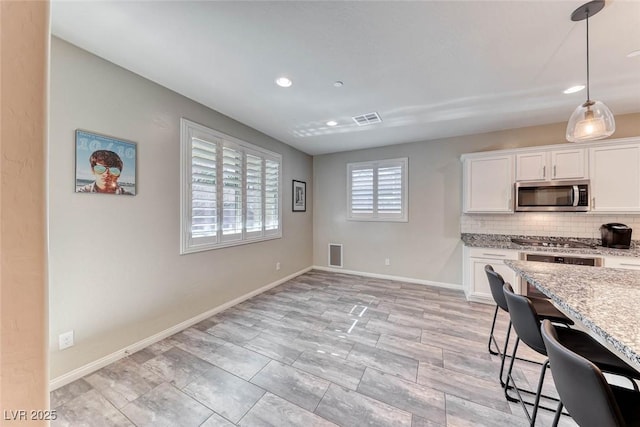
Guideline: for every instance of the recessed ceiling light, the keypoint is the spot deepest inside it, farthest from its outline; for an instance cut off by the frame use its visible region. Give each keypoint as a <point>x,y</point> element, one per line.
<point>332,123</point>
<point>338,83</point>
<point>283,82</point>
<point>574,89</point>
<point>634,53</point>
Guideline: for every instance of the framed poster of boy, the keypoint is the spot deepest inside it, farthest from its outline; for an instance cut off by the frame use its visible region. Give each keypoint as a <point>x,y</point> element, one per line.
<point>105,164</point>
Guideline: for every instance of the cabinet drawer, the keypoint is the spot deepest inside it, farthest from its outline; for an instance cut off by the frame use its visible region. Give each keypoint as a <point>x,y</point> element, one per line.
<point>489,253</point>
<point>629,263</point>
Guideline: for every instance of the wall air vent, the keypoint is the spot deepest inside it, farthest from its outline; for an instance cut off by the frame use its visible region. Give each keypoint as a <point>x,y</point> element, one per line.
<point>367,119</point>
<point>335,255</point>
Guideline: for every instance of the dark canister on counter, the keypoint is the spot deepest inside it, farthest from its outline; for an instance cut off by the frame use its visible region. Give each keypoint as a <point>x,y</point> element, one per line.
<point>615,235</point>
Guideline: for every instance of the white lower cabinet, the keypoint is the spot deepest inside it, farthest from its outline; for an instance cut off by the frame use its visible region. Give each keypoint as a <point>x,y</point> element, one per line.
<point>629,263</point>
<point>475,283</point>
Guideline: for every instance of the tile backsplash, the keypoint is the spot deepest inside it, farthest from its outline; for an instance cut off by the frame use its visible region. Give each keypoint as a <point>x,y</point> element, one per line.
<point>554,224</point>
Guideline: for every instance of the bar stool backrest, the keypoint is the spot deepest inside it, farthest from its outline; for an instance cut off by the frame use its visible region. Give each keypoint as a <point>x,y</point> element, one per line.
<point>496,282</point>
<point>524,319</point>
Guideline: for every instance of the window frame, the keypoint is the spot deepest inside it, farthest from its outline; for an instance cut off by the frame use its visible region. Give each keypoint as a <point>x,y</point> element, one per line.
<point>188,244</point>
<point>403,162</point>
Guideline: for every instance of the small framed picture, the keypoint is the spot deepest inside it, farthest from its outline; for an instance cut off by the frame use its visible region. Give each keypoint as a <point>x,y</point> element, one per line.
<point>105,164</point>
<point>299,196</point>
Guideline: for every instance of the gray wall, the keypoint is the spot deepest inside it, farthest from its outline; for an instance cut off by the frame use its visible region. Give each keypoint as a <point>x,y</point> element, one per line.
<point>428,247</point>
<point>115,275</point>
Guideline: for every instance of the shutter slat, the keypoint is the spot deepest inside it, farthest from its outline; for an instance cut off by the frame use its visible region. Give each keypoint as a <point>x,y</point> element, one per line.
<point>271,202</point>
<point>362,191</point>
<point>231,191</point>
<point>254,194</point>
<point>390,190</point>
<point>204,217</point>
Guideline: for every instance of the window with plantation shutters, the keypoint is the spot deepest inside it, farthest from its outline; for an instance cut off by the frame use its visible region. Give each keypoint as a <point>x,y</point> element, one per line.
<point>377,191</point>
<point>230,190</point>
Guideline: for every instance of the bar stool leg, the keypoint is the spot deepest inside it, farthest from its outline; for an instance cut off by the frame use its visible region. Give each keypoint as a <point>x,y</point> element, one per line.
<point>556,419</point>
<point>536,403</point>
<point>504,354</point>
<point>506,385</point>
<point>492,339</point>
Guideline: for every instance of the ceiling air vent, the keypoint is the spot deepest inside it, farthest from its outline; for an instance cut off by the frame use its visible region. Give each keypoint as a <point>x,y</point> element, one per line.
<point>367,119</point>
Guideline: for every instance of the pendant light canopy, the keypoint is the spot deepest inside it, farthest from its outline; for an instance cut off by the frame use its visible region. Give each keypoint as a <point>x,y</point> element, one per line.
<point>591,120</point>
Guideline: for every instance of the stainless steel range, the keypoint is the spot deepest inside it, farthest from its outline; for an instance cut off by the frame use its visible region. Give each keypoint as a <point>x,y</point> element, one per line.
<point>593,261</point>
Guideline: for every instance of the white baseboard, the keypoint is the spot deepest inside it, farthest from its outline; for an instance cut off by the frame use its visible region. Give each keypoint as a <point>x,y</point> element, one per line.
<point>390,277</point>
<point>89,368</point>
<point>481,299</point>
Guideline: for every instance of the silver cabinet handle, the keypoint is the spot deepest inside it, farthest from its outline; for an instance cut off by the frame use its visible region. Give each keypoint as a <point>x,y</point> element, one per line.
<point>628,264</point>
<point>544,172</point>
<point>498,255</point>
<point>554,171</point>
<point>593,203</point>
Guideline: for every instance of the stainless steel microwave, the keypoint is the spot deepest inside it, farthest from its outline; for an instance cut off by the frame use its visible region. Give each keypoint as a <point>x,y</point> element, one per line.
<point>550,196</point>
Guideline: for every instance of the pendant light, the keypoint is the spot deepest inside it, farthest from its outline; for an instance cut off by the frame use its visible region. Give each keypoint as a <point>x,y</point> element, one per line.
<point>591,120</point>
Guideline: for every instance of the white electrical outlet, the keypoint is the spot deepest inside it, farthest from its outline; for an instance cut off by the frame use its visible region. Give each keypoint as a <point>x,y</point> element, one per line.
<point>277,266</point>
<point>65,340</point>
<point>387,261</point>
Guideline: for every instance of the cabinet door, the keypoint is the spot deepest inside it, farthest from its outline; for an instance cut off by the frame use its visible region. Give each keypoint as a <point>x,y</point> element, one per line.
<point>615,178</point>
<point>568,164</point>
<point>531,166</point>
<point>488,184</point>
<point>475,283</point>
<point>481,284</point>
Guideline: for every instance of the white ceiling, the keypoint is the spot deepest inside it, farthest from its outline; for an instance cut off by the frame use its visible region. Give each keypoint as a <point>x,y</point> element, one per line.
<point>431,69</point>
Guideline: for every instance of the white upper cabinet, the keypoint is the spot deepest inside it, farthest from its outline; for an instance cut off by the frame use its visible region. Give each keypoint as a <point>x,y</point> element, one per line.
<point>612,167</point>
<point>531,166</point>
<point>488,184</point>
<point>568,164</point>
<point>550,165</point>
<point>615,178</point>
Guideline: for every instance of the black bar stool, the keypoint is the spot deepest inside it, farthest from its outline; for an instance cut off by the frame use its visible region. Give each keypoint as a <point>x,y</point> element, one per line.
<point>584,391</point>
<point>544,308</point>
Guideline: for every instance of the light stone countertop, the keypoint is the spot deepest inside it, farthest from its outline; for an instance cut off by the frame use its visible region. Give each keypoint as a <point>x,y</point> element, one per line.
<point>605,300</point>
<point>503,241</point>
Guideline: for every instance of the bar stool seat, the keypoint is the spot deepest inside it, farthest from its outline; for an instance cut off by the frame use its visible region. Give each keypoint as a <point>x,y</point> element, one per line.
<point>546,310</point>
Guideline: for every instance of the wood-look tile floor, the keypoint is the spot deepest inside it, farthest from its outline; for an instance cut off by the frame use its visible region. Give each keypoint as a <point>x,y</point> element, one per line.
<point>322,349</point>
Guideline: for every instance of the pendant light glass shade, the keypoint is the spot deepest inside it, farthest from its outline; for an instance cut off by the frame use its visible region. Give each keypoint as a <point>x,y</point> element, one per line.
<point>590,121</point>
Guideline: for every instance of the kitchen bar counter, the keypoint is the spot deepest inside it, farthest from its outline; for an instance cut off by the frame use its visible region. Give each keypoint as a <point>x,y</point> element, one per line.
<point>606,301</point>
<point>502,241</point>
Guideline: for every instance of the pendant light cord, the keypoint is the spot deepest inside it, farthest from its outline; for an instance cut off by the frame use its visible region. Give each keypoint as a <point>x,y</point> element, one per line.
<point>588,94</point>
